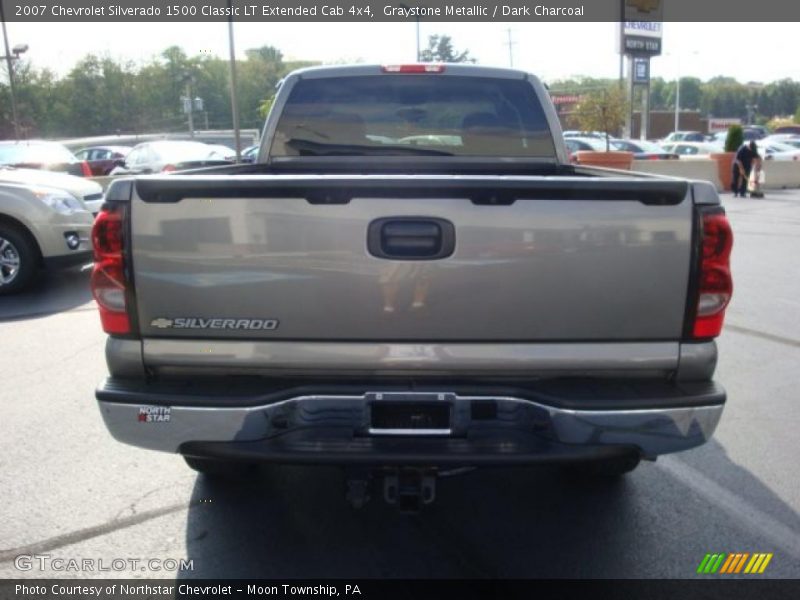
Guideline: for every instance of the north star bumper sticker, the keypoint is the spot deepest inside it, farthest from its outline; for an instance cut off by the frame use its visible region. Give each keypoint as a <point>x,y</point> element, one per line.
<point>154,414</point>
<point>200,323</point>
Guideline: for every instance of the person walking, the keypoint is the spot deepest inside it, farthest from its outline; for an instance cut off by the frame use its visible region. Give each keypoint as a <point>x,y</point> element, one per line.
<point>742,164</point>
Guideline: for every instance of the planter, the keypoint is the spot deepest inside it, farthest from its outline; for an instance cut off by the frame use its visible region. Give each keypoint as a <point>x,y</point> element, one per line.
<point>609,160</point>
<point>724,162</point>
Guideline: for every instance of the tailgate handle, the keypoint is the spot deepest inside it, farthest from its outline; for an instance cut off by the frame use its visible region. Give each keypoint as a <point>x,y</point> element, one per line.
<point>411,238</point>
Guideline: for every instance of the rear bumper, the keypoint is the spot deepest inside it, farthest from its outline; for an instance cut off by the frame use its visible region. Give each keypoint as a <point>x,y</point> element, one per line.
<point>517,426</point>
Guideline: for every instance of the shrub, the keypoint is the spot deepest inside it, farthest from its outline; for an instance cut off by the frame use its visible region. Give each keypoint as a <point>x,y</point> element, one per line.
<point>734,139</point>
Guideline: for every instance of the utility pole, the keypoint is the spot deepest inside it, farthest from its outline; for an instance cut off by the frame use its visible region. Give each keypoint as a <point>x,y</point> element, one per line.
<point>188,101</point>
<point>234,99</point>
<point>418,48</point>
<point>619,41</point>
<point>630,97</point>
<point>416,18</point>
<point>510,48</point>
<point>10,73</point>
<point>191,106</point>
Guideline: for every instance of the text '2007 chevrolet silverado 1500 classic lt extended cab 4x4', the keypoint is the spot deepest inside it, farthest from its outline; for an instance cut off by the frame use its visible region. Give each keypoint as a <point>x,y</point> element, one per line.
<point>412,277</point>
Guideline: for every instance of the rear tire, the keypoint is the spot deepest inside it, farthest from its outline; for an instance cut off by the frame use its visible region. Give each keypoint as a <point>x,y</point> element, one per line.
<point>606,469</point>
<point>219,469</point>
<point>19,260</point>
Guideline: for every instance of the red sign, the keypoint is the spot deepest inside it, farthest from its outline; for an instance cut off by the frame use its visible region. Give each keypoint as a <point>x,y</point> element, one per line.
<point>715,125</point>
<point>566,99</point>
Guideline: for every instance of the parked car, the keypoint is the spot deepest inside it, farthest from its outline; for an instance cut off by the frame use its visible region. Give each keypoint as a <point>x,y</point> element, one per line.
<point>683,136</point>
<point>793,129</point>
<point>250,154</point>
<point>86,190</point>
<point>754,132</point>
<point>399,309</point>
<point>41,226</point>
<point>643,150</point>
<point>793,141</point>
<point>224,152</point>
<point>588,144</point>
<point>784,138</point>
<point>166,156</point>
<point>777,151</point>
<point>691,149</point>
<point>717,138</point>
<point>49,156</point>
<point>103,159</point>
<point>584,134</point>
<point>748,133</point>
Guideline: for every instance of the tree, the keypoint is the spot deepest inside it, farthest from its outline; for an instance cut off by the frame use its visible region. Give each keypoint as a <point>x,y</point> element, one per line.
<point>691,93</point>
<point>602,110</point>
<point>268,54</point>
<point>779,122</point>
<point>440,49</point>
<point>265,107</point>
<point>659,91</point>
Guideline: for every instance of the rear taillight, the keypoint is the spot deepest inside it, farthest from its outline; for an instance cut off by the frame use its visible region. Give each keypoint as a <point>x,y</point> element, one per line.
<point>168,169</point>
<point>418,68</point>
<point>715,285</point>
<point>109,286</point>
<point>86,169</point>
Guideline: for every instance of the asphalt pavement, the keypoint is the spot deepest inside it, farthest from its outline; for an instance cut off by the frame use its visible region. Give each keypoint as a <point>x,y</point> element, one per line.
<point>70,491</point>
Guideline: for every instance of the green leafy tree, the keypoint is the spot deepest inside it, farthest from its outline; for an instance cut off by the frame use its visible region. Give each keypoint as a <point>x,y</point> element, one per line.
<point>659,94</point>
<point>691,93</point>
<point>265,107</point>
<point>779,122</point>
<point>602,110</point>
<point>101,95</point>
<point>440,49</point>
<point>268,54</point>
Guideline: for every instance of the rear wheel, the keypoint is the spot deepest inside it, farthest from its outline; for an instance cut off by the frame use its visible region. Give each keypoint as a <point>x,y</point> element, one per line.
<point>609,468</point>
<point>18,260</point>
<point>219,469</point>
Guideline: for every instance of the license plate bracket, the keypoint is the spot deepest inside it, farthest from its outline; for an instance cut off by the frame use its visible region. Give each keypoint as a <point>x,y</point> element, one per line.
<point>410,414</point>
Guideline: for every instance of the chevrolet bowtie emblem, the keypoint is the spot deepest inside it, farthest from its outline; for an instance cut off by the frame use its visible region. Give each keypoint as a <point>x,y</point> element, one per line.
<point>644,6</point>
<point>161,323</point>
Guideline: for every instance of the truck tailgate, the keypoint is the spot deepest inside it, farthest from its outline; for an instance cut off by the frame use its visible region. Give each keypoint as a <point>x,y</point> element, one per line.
<point>521,258</point>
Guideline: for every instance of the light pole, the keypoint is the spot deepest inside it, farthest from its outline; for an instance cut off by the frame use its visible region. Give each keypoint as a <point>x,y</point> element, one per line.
<point>188,101</point>
<point>678,88</point>
<point>418,50</point>
<point>510,49</point>
<point>18,49</point>
<point>677,101</point>
<point>416,18</point>
<point>752,109</point>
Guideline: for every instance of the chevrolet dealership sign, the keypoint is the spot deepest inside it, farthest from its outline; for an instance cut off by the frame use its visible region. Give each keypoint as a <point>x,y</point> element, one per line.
<point>641,27</point>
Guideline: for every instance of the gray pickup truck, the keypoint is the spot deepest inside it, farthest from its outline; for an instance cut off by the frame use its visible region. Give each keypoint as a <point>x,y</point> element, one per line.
<point>410,278</point>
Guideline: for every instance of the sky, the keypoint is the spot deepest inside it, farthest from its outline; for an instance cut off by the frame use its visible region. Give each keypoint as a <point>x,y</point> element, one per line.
<point>551,51</point>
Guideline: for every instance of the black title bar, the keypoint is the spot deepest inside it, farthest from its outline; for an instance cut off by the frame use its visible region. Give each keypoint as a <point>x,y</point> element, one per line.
<point>370,589</point>
<point>713,12</point>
